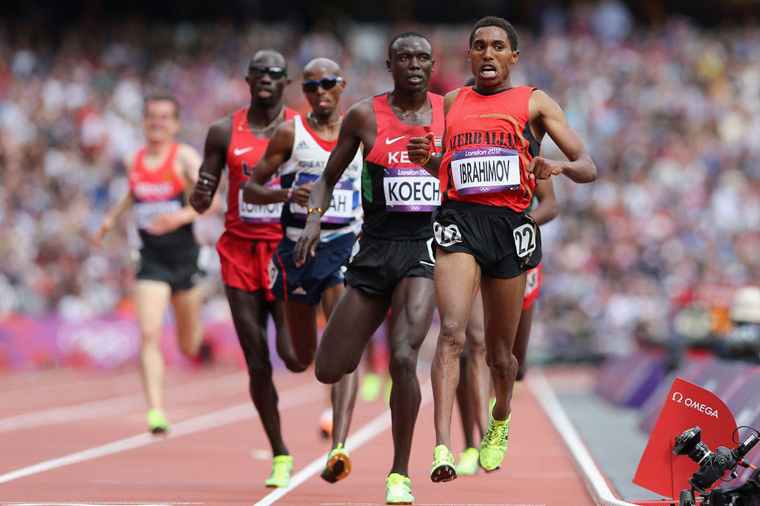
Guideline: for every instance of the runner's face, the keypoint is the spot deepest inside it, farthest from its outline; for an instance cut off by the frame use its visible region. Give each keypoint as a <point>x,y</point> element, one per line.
<point>266,89</point>
<point>491,57</point>
<point>160,122</point>
<point>411,63</point>
<point>323,102</point>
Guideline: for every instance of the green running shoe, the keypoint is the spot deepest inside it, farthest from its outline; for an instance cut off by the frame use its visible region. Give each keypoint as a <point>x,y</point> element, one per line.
<point>494,444</point>
<point>338,465</point>
<point>157,422</point>
<point>282,466</point>
<point>398,489</point>
<point>468,462</point>
<point>444,468</point>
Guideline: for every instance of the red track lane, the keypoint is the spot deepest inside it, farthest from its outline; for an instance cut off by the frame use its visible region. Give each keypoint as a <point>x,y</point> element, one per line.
<point>226,461</point>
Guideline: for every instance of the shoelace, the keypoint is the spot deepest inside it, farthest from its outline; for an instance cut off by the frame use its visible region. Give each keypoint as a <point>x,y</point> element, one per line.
<point>498,435</point>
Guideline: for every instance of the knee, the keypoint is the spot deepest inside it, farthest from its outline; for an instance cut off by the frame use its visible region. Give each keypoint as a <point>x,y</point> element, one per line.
<point>451,339</point>
<point>403,365</point>
<point>294,365</point>
<point>501,363</point>
<point>259,370</point>
<point>151,338</point>
<point>189,347</point>
<point>325,373</point>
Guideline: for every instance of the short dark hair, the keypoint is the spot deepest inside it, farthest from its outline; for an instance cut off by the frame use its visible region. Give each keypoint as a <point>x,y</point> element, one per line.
<point>404,35</point>
<point>160,97</point>
<point>499,23</point>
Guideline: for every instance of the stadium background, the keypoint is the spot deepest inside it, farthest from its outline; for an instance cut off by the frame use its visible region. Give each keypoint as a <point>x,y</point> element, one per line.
<point>665,94</point>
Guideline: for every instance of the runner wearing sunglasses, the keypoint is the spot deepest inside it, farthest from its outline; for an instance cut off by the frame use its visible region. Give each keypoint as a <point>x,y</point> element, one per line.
<point>299,150</point>
<point>392,265</point>
<point>251,235</point>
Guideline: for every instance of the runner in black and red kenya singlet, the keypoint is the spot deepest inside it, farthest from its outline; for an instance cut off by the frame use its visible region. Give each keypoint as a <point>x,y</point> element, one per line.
<point>252,233</point>
<point>159,176</point>
<point>393,265</point>
<point>482,233</point>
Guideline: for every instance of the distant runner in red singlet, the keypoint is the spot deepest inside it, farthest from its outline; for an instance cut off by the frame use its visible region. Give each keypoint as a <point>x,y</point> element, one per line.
<point>392,267</point>
<point>160,177</point>
<point>488,169</point>
<point>251,235</point>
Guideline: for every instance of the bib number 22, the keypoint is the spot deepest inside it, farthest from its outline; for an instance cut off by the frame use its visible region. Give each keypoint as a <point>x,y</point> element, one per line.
<point>525,239</point>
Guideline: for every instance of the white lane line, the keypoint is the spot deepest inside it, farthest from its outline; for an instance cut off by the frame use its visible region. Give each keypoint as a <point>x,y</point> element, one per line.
<point>372,429</point>
<point>593,478</point>
<point>233,414</point>
<point>107,407</point>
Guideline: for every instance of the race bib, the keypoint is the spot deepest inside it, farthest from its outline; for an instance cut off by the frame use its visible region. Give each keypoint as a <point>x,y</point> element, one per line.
<point>410,190</point>
<point>254,213</point>
<point>145,212</point>
<point>525,239</point>
<point>488,169</point>
<point>342,204</point>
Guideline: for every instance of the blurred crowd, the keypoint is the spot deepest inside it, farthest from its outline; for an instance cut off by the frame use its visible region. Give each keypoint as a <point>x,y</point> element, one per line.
<point>669,113</point>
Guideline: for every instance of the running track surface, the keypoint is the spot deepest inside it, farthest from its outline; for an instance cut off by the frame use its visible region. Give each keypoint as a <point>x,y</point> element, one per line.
<point>77,437</point>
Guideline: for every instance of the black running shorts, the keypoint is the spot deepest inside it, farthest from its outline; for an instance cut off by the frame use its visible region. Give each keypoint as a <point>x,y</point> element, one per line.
<point>377,266</point>
<point>505,243</point>
<point>179,268</point>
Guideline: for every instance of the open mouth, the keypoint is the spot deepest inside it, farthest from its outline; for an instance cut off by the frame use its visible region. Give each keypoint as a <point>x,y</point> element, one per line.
<point>488,70</point>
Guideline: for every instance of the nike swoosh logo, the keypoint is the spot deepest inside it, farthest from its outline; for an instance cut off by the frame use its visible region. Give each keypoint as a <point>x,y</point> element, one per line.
<point>239,152</point>
<point>391,141</point>
<point>427,263</point>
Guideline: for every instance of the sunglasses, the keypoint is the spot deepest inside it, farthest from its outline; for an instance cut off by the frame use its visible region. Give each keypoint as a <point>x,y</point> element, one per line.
<point>274,72</point>
<point>327,83</point>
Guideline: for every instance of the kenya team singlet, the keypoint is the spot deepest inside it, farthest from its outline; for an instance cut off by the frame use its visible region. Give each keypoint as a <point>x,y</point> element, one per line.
<point>488,147</point>
<point>397,195</point>
<point>306,163</point>
<point>249,221</point>
<point>157,192</point>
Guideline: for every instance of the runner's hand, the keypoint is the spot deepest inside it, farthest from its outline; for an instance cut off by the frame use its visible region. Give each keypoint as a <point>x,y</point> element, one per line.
<point>419,148</point>
<point>543,168</point>
<point>301,194</point>
<point>106,225</point>
<point>203,191</point>
<point>308,240</point>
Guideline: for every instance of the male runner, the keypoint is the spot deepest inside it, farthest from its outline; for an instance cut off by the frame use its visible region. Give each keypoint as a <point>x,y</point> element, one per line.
<point>251,235</point>
<point>392,266</point>
<point>484,238</point>
<point>299,149</point>
<point>160,176</point>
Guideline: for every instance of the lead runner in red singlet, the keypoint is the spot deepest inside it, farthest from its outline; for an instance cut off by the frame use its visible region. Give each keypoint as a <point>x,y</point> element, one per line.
<point>160,177</point>
<point>252,234</point>
<point>484,237</point>
<point>392,266</point>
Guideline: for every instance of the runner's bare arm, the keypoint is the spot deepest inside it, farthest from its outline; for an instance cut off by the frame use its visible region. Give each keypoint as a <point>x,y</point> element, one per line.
<point>278,151</point>
<point>547,202</point>
<point>215,158</point>
<point>546,117</point>
<point>349,139</point>
<point>115,213</point>
<point>419,147</point>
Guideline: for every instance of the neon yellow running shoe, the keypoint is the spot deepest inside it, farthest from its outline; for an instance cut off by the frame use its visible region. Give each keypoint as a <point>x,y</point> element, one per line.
<point>444,468</point>
<point>370,388</point>
<point>157,422</point>
<point>338,465</point>
<point>494,444</point>
<point>468,462</point>
<point>282,466</point>
<point>398,489</point>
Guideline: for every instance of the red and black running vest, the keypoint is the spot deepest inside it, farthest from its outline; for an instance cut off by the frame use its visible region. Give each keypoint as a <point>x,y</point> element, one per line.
<point>488,147</point>
<point>397,195</point>
<point>249,221</point>
<point>157,192</point>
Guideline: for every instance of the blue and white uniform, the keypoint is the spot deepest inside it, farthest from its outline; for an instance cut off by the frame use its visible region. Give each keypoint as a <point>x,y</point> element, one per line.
<point>341,223</point>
